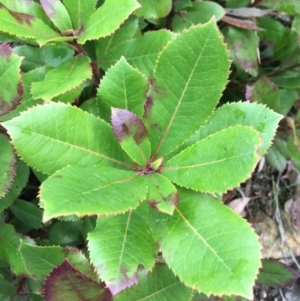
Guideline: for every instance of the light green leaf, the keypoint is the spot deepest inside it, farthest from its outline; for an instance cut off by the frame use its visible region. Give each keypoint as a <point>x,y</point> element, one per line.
<point>162,194</point>
<point>159,285</point>
<point>119,244</point>
<point>26,26</point>
<point>141,53</point>
<point>122,87</point>
<point>91,190</point>
<point>129,30</point>
<point>65,135</point>
<point>10,82</point>
<point>69,75</point>
<point>107,19</point>
<point>58,14</point>
<point>264,120</point>
<point>8,165</point>
<point>217,163</point>
<point>179,104</point>
<point>154,9</point>
<point>80,11</point>
<point>207,245</point>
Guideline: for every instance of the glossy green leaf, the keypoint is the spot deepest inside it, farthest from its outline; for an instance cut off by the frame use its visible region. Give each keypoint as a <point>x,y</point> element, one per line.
<point>8,165</point>
<point>132,135</point>
<point>73,285</point>
<point>276,274</point>
<point>40,261</point>
<point>203,245</point>
<point>264,120</point>
<point>19,183</point>
<point>28,213</point>
<point>154,9</point>
<point>129,30</point>
<point>244,44</point>
<point>217,163</point>
<point>10,82</point>
<point>187,97</point>
<point>64,135</point>
<point>80,11</point>
<point>107,19</point>
<point>62,79</point>
<point>58,14</point>
<point>162,194</point>
<point>199,12</point>
<point>119,244</point>
<point>122,87</point>
<point>91,190</point>
<point>159,285</point>
<point>141,53</point>
<point>9,249</point>
<point>26,26</point>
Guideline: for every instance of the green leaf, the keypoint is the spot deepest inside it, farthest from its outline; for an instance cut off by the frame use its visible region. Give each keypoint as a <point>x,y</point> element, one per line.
<point>8,165</point>
<point>217,163</point>
<point>73,285</point>
<point>101,191</point>
<point>141,53</point>
<point>62,79</point>
<point>264,120</point>
<point>244,45</point>
<point>132,135</point>
<point>162,194</point>
<point>9,249</point>
<point>122,87</point>
<point>107,19</point>
<point>26,26</point>
<point>154,9</point>
<point>199,12</point>
<point>187,97</point>
<point>159,285</point>
<point>119,244</point>
<point>6,287</point>
<point>276,159</point>
<point>19,183</point>
<point>58,14</point>
<point>276,274</point>
<point>80,11</point>
<point>207,245</point>
<point>40,261</point>
<point>27,213</point>
<point>65,135</point>
<point>10,82</point>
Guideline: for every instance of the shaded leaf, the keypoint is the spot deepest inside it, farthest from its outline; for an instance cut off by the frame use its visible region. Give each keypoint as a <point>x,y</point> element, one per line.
<point>276,159</point>
<point>10,82</point>
<point>26,26</point>
<point>154,9</point>
<point>162,194</point>
<point>141,53</point>
<point>217,163</point>
<point>264,120</point>
<point>119,245</point>
<point>64,135</point>
<point>57,13</point>
<point>73,285</point>
<point>107,19</point>
<point>69,75</point>
<point>159,285</point>
<point>8,165</point>
<point>122,87</point>
<point>132,135</point>
<point>102,191</point>
<point>6,288</point>
<point>276,274</point>
<point>202,244</point>
<point>191,92</point>
<point>80,11</point>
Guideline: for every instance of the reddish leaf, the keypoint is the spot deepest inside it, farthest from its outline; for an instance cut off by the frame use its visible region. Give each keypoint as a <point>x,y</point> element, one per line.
<point>67,283</point>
